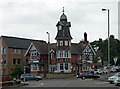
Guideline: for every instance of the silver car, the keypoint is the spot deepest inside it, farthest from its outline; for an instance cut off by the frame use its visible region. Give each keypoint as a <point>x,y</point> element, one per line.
<point>112,78</point>
<point>117,81</point>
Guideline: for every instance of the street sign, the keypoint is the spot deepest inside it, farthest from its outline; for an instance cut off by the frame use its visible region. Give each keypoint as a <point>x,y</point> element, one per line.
<point>115,60</point>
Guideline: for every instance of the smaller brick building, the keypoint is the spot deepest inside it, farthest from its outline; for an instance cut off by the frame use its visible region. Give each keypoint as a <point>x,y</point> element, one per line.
<point>12,51</point>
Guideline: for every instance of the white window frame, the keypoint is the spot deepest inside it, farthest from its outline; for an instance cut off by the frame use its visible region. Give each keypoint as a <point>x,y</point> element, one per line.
<point>35,67</point>
<point>61,43</point>
<point>33,54</point>
<point>57,43</point>
<point>52,55</point>
<point>19,51</point>
<point>66,43</point>
<point>90,57</point>
<point>63,54</point>
<point>79,57</point>
<point>14,51</point>
<point>69,43</point>
<point>60,27</point>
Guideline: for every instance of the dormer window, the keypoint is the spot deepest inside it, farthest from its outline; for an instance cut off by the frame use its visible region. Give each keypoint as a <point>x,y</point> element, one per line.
<point>60,27</point>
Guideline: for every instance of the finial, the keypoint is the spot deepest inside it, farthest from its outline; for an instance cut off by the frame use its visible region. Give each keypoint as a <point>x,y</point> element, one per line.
<point>63,9</point>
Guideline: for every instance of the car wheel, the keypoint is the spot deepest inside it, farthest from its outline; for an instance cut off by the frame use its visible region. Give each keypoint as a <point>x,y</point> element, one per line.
<point>37,79</point>
<point>116,84</point>
<point>111,82</point>
<point>83,78</point>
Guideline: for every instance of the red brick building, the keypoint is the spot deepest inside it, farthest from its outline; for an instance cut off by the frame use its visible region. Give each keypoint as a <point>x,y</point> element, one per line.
<point>12,51</point>
<point>65,57</point>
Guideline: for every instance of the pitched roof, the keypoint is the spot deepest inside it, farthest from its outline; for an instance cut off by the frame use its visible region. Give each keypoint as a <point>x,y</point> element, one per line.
<point>76,48</point>
<point>41,47</point>
<point>15,42</point>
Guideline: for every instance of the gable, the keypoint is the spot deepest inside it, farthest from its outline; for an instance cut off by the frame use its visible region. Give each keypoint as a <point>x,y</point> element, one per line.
<point>31,48</point>
<point>89,50</point>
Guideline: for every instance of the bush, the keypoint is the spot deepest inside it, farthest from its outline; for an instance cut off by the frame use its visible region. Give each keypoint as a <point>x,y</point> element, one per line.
<point>17,71</point>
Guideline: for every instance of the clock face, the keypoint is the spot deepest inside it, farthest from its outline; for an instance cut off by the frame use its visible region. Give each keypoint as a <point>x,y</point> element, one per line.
<point>60,27</point>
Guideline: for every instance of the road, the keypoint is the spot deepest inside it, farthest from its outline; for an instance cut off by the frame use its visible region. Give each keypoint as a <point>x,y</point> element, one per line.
<point>69,83</point>
<point>73,82</point>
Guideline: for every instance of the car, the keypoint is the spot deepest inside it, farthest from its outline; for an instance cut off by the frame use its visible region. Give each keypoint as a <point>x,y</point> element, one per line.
<point>88,75</point>
<point>113,69</point>
<point>30,77</point>
<point>112,78</point>
<point>117,81</point>
<point>105,70</point>
<point>98,71</point>
<point>117,68</point>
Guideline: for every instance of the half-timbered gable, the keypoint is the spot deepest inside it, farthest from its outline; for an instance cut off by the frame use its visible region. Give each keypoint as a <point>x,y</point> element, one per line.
<point>37,55</point>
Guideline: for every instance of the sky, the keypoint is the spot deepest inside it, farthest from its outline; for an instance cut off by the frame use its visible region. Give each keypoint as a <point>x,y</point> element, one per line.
<point>33,18</point>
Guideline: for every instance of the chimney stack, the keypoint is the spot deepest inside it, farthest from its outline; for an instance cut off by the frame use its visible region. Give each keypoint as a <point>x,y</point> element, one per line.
<point>85,37</point>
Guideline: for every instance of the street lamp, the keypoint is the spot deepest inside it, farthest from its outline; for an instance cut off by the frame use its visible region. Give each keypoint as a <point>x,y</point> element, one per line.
<point>48,50</point>
<point>108,38</point>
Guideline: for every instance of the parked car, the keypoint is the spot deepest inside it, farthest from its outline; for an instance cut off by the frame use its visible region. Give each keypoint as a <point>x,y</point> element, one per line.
<point>117,69</point>
<point>117,81</point>
<point>105,70</point>
<point>98,71</point>
<point>30,77</point>
<point>113,69</point>
<point>112,78</point>
<point>88,75</point>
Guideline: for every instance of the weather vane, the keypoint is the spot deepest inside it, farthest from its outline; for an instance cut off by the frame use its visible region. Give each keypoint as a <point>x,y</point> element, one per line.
<point>63,9</point>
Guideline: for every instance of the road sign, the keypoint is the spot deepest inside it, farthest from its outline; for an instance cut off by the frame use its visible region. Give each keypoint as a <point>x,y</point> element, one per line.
<point>115,60</point>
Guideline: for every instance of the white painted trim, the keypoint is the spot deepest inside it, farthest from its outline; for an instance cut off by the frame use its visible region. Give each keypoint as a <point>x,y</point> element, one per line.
<point>90,47</point>
<point>29,49</point>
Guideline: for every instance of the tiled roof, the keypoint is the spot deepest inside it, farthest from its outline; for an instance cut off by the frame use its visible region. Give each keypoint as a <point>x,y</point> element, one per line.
<point>75,48</point>
<point>15,42</point>
<point>41,47</point>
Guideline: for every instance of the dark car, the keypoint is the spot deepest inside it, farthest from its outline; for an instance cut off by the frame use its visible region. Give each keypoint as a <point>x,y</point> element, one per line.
<point>30,77</point>
<point>88,75</point>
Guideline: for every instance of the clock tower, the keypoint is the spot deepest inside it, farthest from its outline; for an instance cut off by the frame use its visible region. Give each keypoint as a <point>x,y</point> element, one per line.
<point>63,39</point>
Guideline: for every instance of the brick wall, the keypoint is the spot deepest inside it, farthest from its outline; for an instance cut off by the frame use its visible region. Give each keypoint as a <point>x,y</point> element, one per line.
<point>9,56</point>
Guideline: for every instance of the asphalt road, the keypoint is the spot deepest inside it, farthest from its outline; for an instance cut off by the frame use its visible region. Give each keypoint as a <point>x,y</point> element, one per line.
<point>69,83</point>
<point>73,82</point>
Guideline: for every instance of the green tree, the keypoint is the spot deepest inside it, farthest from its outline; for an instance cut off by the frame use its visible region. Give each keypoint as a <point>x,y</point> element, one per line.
<point>103,47</point>
<point>17,70</point>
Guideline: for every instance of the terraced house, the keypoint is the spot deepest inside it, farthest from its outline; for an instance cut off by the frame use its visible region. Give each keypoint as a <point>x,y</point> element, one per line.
<point>65,57</point>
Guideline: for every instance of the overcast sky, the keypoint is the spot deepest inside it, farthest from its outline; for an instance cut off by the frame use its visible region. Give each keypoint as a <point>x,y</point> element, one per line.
<point>33,18</point>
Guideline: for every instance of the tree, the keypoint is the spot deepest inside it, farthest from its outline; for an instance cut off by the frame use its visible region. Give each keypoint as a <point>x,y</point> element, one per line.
<point>17,70</point>
<point>102,46</point>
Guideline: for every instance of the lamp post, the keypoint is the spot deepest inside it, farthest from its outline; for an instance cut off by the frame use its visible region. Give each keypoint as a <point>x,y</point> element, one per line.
<point>48,50</point>
<point>108,37</point>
